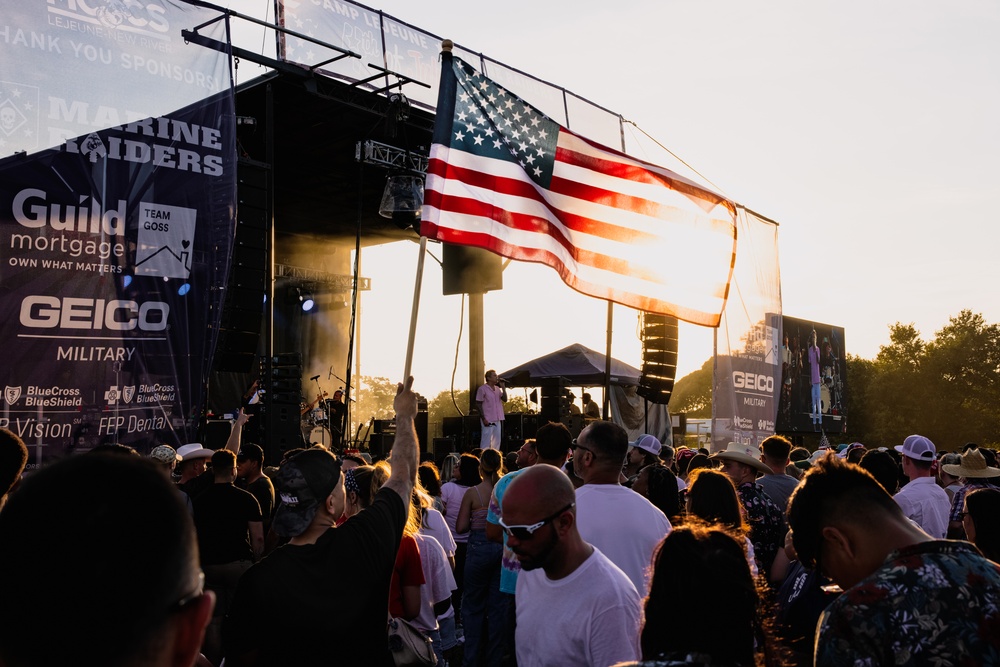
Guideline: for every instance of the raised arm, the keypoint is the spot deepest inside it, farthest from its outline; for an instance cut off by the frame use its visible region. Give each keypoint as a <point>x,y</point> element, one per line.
<point>236,435</point>
<point>405,447</point>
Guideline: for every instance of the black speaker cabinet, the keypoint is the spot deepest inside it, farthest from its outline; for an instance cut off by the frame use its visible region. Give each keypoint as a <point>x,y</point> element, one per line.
<point>470,270</point>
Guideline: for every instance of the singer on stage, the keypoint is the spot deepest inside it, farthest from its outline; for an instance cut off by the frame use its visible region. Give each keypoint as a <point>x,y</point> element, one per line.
<point>490,399</point>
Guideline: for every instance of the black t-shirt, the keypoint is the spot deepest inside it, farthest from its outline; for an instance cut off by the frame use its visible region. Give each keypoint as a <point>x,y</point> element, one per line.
<point>263,491</point>
<point>221,514</point>
<point>196,486</point>
<point>325,603</point>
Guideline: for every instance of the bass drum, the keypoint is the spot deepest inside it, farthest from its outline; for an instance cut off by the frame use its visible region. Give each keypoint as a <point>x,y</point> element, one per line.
<point>319,435</point>
<point>824,397</point>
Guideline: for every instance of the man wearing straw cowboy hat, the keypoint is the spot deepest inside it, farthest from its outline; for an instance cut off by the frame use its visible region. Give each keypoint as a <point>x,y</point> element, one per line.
<point>976,474</point>
<point>741,463</point>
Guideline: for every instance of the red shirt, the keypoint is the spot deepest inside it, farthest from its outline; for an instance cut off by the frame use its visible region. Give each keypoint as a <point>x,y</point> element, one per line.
<point>406,572</point>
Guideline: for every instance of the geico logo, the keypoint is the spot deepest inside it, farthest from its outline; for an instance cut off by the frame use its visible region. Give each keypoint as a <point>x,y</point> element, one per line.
<point>753,381</point>
<point>50,312</point>
<point>156,226</point>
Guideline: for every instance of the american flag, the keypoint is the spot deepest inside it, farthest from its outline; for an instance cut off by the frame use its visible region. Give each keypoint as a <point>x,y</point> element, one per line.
<point>505,177</point>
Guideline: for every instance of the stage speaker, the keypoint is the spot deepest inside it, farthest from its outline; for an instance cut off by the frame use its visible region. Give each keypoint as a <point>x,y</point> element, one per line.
<point>470,270</point>
<point>659,357</point>
<point>243,305</point>
<point>464,431</point>
<point>555,399</point>
<point>282,431</point>
<point>420,421</point>
<point>441,447</point>
<point>380,444</point>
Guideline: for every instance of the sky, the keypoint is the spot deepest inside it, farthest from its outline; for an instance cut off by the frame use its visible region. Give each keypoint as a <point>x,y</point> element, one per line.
<point>867,130</point>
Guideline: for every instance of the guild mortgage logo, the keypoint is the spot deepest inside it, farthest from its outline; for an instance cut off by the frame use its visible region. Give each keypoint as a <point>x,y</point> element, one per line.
<point>18,117</point>
<point>145,18</point>
<point>166,240</point>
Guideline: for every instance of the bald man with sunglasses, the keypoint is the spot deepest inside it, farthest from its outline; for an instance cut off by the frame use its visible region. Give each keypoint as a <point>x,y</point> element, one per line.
<point>574,606</point>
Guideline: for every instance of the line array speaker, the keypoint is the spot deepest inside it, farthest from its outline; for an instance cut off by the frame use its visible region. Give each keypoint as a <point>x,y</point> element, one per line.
<point>659,357</point>
<point>243,306</point>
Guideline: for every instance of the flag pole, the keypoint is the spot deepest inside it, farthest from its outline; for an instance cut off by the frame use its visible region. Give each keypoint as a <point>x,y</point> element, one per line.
<point>446,47</point>
<point>417,283</point>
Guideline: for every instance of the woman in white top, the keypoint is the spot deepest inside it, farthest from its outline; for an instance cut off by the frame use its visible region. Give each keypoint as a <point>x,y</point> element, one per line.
<point>463,474</point>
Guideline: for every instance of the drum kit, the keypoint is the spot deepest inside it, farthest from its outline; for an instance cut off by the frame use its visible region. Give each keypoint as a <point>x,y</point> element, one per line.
<point>319,420</point>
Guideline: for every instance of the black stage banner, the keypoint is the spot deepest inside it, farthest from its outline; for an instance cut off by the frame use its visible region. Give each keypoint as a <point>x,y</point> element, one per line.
<point>117,211</point>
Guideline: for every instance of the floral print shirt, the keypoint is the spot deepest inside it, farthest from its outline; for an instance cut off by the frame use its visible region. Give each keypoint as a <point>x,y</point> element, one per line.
<point>934,603</point>
<point>767,524</point>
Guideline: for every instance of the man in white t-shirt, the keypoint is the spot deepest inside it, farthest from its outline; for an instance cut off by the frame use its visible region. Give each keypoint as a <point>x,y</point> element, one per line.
<point>625,526</point>
<point>574,606</point>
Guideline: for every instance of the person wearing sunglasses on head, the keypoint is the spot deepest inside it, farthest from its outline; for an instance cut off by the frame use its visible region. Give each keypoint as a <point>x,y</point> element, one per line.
<point>573,605</point>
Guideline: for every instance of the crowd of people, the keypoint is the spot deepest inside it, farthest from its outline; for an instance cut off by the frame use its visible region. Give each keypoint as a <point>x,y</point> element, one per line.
<point>591,550</point>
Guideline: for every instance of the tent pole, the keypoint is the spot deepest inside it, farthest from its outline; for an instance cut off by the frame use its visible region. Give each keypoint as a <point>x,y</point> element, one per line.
<point>607,361</point>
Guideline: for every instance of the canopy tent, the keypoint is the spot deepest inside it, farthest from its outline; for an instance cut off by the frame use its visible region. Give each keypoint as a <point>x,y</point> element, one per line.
<point>578,365</point>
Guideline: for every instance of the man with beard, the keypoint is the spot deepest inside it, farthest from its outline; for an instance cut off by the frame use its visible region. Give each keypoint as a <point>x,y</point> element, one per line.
<point>573,605</point>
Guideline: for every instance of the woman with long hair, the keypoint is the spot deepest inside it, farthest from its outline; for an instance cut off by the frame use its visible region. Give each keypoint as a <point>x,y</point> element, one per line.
<point>701,569</point>
<point>484,607</point>
<point>459,474</point>
<point>429,478</point>
<point>712,498</point>
<point>361,484</point>
<point>658,484</point>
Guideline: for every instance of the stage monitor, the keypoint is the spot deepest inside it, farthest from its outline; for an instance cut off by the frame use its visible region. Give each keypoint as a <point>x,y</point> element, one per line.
<point>813,395</point>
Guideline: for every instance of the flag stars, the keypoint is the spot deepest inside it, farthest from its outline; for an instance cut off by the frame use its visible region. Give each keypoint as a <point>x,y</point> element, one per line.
<point>459,136</point>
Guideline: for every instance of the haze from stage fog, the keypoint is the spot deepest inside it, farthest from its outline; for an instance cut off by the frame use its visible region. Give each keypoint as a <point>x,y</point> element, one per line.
<point>868,130</point>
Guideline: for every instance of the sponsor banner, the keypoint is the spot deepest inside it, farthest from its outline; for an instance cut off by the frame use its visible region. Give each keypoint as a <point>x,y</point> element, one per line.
<point>748,352</point>
<point>377,37</point>
<point>70,67</point>
<point>813,378</point>
<point>116,226</point>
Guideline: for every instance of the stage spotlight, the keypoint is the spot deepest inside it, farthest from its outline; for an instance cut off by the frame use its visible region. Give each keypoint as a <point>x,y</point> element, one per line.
<point>305,300</point>
<point>184,289</point>
<point>126,280</point>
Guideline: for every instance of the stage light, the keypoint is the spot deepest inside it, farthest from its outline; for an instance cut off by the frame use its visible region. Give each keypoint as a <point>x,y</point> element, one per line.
<point>402,199</point>
<point>126,280</point>
<point>184,289</point>
<point>305,300</point>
